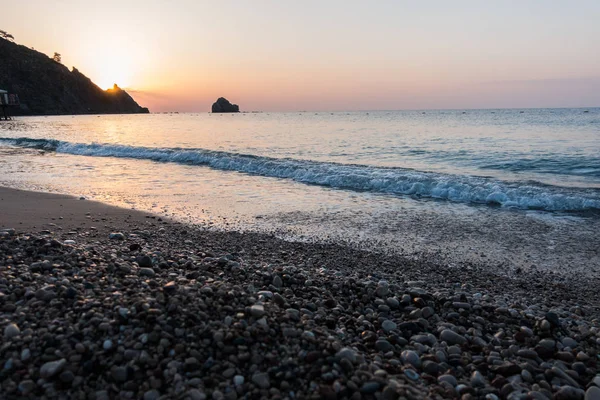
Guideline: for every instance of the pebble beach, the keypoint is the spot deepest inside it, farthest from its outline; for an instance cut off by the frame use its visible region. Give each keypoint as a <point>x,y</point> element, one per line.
<point>98,302</point>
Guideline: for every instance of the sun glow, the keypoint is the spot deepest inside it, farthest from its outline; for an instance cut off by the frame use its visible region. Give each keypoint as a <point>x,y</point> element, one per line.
<point>113,70</point>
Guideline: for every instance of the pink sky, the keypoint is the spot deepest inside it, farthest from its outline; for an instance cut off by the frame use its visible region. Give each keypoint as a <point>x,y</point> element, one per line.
<point>335,55</point>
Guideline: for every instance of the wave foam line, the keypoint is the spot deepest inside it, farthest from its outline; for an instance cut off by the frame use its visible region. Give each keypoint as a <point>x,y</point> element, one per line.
<point>398,181</point>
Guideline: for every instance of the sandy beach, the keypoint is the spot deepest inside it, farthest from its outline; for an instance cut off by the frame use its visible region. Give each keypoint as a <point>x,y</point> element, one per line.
<point>102,302</point>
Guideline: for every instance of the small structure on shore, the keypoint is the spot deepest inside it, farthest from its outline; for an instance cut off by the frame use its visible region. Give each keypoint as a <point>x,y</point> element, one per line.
<point>7,100</point>
<point>222,105</point>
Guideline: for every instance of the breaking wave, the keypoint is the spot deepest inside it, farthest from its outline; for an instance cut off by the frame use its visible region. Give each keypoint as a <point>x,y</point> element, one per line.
<point>397,181</point>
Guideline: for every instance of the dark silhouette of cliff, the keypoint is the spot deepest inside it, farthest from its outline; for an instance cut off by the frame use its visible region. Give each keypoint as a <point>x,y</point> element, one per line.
<point>46,87</point>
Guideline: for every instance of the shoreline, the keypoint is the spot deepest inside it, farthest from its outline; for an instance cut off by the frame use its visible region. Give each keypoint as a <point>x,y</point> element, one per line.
<point>63,215</point>
<point>180,311</point>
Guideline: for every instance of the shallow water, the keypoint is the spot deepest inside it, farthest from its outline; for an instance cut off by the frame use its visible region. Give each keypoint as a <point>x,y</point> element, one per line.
<point>521,187</point>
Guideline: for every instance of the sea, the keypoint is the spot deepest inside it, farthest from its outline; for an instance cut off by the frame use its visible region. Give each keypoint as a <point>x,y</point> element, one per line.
<point>508,186</point>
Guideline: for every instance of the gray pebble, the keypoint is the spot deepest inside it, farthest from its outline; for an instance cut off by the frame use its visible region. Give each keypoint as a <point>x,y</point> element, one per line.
<point>147,272</point>
<point>593,393</point>
<point>383,346</point>
<point>11,331</point>
<point>451,337</point>
<point>50,369</point>
<point>257,310</point>
<point>388,325</point>
<point>449,379</point>
<point>261,380</point>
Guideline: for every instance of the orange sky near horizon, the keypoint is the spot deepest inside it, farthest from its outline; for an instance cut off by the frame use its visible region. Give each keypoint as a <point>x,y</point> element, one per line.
<point>338,55</point>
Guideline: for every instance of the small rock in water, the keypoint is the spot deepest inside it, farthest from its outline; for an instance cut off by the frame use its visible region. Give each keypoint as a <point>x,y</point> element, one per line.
<point>116,236</point>
<point>11,331</point>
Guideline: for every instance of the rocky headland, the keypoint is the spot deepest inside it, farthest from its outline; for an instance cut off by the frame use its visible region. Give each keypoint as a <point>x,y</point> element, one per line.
<point>101,303</point>
<point>46,87</point>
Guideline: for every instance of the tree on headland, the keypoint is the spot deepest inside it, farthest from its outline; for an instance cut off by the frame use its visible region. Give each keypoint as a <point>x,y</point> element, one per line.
<point>57,57</point>
<point>7,36</point>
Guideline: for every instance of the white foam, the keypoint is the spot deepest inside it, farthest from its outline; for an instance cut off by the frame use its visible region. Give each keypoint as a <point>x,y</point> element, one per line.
<point>396,181</point>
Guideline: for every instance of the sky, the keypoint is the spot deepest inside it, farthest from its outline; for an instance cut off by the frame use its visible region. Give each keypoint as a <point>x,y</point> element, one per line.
<point>325,55</point>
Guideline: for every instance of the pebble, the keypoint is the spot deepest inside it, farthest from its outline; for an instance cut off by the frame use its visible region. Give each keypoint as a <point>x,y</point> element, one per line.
<point>26,386</point>
<point>277,281</point>
<point>144,261</point>
<point>382,289</point>
<point>411,357</point>
<point>569,393</point>
<point>261,380</point>
<point>347,353</point>
<point>569,342</point>
<point>119,374</point>
<point>147,272</point>
<point>25,354</point>
<point>477,379</point>
<point>593,393</point>
<point>238,380</point>
<point>410,374</point>
<point>370,387</point>
<point>383,345</point>
<point>388,325</point>
<point>257,310</point>
<point>170,287</point>
<point>449,379</point>
<point>451,337</point>
<point>116,236</point>
<point>152,395</point>
<point>50,369</point>
<point>11,331</point>
<point>393,302</point>
<point>195,394</point>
